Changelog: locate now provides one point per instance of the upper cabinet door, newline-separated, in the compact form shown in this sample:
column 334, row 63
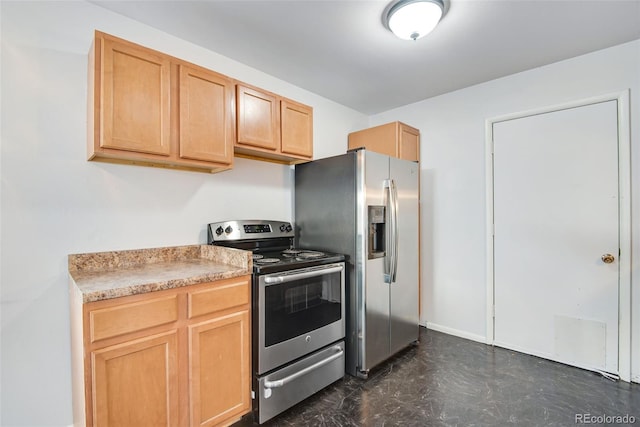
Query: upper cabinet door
column 257, row 118
column 206, row 117
column 409, row 143
column 297, row 128
column 135, row 99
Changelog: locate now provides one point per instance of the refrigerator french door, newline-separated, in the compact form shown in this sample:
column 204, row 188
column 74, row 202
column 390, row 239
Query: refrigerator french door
column 365, row 205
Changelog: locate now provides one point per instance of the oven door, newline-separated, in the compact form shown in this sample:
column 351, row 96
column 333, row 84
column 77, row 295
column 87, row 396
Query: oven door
column 300, row 311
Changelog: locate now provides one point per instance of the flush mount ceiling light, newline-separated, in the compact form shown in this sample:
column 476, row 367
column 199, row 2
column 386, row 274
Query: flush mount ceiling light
column 413, row 19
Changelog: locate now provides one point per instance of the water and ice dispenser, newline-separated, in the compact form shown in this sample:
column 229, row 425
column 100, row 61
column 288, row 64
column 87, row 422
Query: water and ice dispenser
column 377, row 233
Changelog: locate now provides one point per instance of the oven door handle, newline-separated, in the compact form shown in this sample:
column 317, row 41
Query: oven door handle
column 288, row 379
column 272, row 280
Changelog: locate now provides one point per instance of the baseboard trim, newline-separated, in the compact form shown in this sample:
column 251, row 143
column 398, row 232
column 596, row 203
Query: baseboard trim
column 456, row 332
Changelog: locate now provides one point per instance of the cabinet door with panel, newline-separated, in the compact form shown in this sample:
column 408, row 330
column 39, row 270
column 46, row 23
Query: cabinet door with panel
column 219, row 364
column 134, row 102
column 297, row 128
column 257, row 118
column 136, row 382
column 408, row 143
column 206, row 116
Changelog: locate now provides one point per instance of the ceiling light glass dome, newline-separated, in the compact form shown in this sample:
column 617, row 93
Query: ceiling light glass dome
column 413, row 19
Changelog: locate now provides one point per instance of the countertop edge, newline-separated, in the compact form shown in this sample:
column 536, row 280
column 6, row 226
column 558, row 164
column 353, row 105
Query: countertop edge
column 106, row 275
column 144, row 288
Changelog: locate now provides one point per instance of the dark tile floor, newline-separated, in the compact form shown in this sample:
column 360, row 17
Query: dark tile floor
column 450, row 381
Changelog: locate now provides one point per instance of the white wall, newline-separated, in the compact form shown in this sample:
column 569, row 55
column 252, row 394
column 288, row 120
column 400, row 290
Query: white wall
column 54, row 202
column 453, row 177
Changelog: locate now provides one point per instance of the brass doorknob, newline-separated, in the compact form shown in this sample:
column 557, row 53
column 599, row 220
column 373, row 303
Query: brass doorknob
column 608, row 258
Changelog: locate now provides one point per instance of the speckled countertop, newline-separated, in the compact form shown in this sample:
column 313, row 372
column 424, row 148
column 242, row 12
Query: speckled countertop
column 104, row 275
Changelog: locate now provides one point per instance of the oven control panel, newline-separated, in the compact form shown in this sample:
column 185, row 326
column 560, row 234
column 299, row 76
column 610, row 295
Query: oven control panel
column 248, row 229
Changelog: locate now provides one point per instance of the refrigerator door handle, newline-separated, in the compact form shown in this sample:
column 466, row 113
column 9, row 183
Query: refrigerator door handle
column 388, row 256
column 394, row 226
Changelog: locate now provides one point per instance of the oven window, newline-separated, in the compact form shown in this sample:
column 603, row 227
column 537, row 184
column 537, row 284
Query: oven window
column 295, row 308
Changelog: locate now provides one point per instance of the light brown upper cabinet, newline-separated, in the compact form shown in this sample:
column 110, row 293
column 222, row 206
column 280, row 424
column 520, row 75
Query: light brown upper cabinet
column 394, row 139
column 150, row 108
column 296, row 127
column 206, row 116
column 272, row 127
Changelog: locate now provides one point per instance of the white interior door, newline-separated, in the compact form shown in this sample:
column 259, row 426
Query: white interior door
column 556, row 214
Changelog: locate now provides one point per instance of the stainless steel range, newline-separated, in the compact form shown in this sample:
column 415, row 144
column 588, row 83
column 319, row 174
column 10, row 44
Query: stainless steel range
column 298, row 313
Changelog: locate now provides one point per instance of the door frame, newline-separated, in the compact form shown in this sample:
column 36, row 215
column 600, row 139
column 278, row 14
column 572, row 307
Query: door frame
column 624, row 218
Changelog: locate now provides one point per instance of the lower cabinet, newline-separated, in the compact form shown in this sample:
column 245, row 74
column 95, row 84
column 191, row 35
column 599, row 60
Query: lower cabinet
column 219, row 350
column 136, row 383
column 179, row 357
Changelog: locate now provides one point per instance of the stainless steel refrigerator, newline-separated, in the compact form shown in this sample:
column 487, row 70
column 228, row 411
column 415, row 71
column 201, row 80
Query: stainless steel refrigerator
column 365, row 205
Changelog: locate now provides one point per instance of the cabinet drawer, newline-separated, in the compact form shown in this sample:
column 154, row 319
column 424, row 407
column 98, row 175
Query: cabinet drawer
column 230, row 293
column 122, row 319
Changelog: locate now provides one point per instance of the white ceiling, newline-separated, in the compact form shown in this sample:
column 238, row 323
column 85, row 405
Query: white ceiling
column 340, row 49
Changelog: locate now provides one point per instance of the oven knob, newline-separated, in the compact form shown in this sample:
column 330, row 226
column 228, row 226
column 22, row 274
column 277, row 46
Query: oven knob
column 307, row 338
column 219, row 231
column 288, row 228
column 228, row 230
